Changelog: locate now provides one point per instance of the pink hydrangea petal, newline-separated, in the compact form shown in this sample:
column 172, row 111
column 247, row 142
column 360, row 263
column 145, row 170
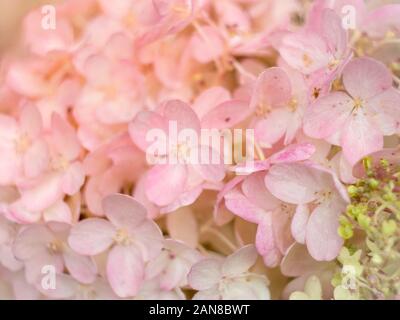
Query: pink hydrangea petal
column 125, row 270
column 322, row 238
column 36, row 159
column 293, row 183
column 254, row 189
column 209, row 99
column 123, row 211
column 226, row 115
column 205, row 274
column 327, row 115
column 210, row 164
column 80, row 267
column 364, row 78
column 269, row 130
column 299, row 223
column 298, row 261
column 236, row 202
column 64, row 138
column 306, row 52
column 360, row 138
column 73, row 178
column 164, row 183
column 265, row 242
column 142, row 123
column 149, row 239
column 386, row 106
column 32, row 241
column 31, row 121
column 272, row 88
column 240, row 261
column 91, row 236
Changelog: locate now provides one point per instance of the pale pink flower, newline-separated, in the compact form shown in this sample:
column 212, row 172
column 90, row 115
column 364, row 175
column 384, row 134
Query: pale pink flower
column 64, row 174
column 173, row 185
column 132, row 238
column 172, row 265
column 279, row 99
column 230, row 278
column 319, row 50
column 360, row 118
column 320, row 199
column 22, row 145
column 41, row 245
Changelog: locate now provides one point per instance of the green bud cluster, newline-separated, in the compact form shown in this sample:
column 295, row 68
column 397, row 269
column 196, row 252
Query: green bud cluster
column 371, row 230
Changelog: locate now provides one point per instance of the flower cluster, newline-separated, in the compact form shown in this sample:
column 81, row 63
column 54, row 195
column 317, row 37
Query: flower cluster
column 110, row 187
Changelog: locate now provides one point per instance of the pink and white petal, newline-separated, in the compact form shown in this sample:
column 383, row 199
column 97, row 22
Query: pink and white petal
column 165, row 183
column 59, row 212
column 294, row 183
column 31, row 121
column 123, row 211
column 360, row 138
column 236, row 202
column 209, row 163
column 172, row 276
column 73, row 178
column 8, row 259
column 327, row 115
column 265, row 242
column 82, row 268
column 91, row 236
column 32, row 241
column 21, row 214
column 269, row 130
column 36, row 159
column 294, row 153
column 209, row 99
column 64, row 138
column 66, row 287
column 182, row 114
column 226, row 115
column 44, row 194
column 149, row 239
column 208, row 294
column 253, row 187
column 298, row 261
column 240, row 261
column 322, row 238
column 185, row 199
column 387, row 109
column 281, row 227
column 333, row 32
column 205, row 274
column 365, row 78
column 306, row 52
column 143, row 124
column 272, row 89
column 299, row 223
column 34, row 266
column 125, row 270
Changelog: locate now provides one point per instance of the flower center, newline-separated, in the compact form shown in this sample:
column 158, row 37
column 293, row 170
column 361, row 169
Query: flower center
column 307, row 60
column 263, row 110
column 22, row 143
column 55, row 247
column 357, row 103
column 123, row 238
column 293, row 103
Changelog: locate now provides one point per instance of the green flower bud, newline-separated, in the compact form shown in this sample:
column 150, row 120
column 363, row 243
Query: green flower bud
column 389, row 227
column 346, row 231
column 377, row 259
column 353, row 191
column 363, row 221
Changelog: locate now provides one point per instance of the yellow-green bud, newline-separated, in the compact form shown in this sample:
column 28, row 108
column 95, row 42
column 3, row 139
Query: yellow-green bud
column 346, row 231
column 389, row 227
column 352, row 190
column 377, row 259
